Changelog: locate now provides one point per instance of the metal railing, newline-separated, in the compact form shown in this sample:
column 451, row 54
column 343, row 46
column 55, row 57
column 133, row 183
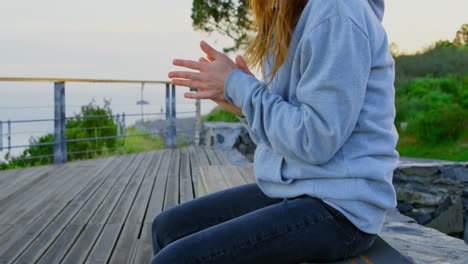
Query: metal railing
column 60, row 141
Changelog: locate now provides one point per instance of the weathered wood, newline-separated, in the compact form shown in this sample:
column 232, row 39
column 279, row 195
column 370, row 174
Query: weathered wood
column 23, row 181
column 212, row 156
column 172, row 189
column 128, row 239
column 144, row 249
column 61, row 246
column 103, row 249
column 41, row 243
column 80, row 250
column 20, row 236
column 194, row 165
column 42, row 190
column 222, row 157
column 212, row 179
column 232, row 176
column 186, row 187
column 158, row 193
column 248, row 173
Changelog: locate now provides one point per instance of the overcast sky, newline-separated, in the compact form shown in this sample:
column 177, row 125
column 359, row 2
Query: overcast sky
column 138, row 39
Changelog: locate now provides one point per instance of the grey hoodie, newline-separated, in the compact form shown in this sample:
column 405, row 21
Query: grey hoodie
column 324, row 126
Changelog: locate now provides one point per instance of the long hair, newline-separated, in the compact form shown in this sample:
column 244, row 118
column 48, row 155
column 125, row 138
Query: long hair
column 275, row 21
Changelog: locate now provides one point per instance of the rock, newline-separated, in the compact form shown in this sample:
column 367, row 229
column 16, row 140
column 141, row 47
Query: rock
column 422, row 170
column 466, row 230
column 465, row 203
column 444, row 206
column 404, row 207
column 421, row 218
column 222, row 135
column 416, row 197
column 450, row 221
column 458, row 172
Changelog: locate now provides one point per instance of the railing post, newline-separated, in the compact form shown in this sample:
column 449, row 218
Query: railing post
column 9, row 135
column 118, row 125
column 124, row 127
column 60, row 131
column 1, row 136
column 173, row 117
column 197, row 118
column 168, row 136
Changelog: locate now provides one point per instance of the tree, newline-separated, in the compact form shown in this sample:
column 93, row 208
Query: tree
column 461, row 39
column 231, row 18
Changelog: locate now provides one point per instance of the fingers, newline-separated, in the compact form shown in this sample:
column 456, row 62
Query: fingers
column 199, row 95
column 194, row 65
column 186, row 83
column 242, row 65
column 184, row 75
column 210, row 51
column 203, row 60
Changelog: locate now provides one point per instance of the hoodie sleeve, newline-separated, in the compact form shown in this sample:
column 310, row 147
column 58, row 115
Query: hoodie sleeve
column 335, row 61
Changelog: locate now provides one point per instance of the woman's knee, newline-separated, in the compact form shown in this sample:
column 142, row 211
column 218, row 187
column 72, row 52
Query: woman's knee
column 162, row 228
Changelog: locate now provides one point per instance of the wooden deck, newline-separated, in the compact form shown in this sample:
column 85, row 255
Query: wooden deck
column 95, row 211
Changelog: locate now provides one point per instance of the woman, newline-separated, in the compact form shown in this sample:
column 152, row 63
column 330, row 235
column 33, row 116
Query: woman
column 323, row 121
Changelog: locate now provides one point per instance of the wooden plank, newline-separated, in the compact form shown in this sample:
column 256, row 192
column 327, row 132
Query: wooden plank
column 202, row 156
column 128, row 239
column 24, row 181
column 186, row 187
column 211, row 156
column 248, row 173
column 103, row 249
column 36, row 249
column 194, row 164
column 221, row 155
column 144, row 249
column 212, row 179
column 171, row 198
column 144, row 246
column 61, row 196
column 8, row 176
column 159, row 190
column 66, row 239
column 41, row 191
column 232, row 176
column 93, row 228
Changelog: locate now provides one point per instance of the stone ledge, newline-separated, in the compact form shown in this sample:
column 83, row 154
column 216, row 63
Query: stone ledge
column 422, row 244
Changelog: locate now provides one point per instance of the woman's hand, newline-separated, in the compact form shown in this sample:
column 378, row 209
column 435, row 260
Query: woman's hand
column 211, row 75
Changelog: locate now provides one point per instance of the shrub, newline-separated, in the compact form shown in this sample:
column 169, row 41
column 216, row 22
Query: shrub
column 440, row 125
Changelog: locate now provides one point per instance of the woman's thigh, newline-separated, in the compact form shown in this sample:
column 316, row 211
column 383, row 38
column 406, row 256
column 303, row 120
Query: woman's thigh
column 206, row 211
column 291, row 231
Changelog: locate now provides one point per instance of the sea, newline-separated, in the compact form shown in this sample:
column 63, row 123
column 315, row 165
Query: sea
column 35, row 101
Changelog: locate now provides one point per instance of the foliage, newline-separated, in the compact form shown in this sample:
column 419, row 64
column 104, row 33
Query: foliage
column 435, row 108
column 220, row 115
column 135, row 143
column 440, row 60
column 231, row 18
column 93, row 121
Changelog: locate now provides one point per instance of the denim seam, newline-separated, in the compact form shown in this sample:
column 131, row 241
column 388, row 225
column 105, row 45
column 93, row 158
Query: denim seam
column 262, row 240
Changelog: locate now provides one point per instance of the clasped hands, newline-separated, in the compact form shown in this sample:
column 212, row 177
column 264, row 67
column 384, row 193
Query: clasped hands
column 210, row 76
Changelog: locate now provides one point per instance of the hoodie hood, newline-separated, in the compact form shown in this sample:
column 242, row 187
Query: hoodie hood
column 378, row 6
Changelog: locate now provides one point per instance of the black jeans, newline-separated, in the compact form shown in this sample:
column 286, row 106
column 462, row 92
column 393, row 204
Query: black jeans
column 243, row 225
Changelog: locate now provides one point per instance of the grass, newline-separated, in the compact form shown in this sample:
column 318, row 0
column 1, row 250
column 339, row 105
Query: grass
column 409, row 146
column 139, row 143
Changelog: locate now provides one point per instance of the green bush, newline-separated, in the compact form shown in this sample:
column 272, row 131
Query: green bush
column 220, row 115
column 98, row 123
column 439, row 125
